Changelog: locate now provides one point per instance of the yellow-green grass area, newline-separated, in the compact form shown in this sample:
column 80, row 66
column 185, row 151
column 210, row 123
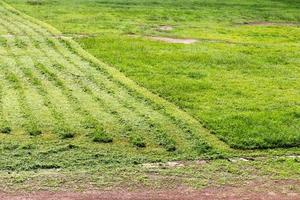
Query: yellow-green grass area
column 240, row 79
column 62, row 108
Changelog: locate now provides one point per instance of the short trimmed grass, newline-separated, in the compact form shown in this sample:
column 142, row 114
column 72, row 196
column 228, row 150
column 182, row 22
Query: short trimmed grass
column 62, row 108
column 240, row 80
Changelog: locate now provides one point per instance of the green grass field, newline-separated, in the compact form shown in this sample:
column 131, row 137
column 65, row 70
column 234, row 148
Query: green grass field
column 240, row 80
column 87, row 88
column 60, row 108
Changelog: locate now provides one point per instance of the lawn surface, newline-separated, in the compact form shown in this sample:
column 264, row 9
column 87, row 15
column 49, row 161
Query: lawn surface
column 240, row 79
column 61, row 108
column 71, row 122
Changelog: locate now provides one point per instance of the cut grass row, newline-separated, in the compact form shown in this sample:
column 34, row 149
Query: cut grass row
column 163, row 138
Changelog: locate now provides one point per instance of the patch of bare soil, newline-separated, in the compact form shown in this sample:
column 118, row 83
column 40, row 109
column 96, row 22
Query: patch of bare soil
column 264, row 190
column 173, row 40
column 165, row 28
column 271, row 24
column 8, row 36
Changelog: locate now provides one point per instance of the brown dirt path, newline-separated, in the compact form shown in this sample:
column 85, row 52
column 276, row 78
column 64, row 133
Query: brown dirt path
column 271, row 190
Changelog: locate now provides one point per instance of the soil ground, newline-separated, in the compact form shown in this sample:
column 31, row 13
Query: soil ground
column 273, row 189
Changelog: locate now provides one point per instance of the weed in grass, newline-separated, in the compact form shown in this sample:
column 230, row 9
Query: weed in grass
column 34, row 132
column 88, row 125
column 10, row 146
column 27, row 146
column 57, row 66
column 66, row 134
column 101, row 137
column 137, row 141
column 14, row 80
column 165, row 141
column 44, row 166
column 72, row 146
column 168, row 144
column 35, row 2
column 36, row 43
column 3, row 42
column 6, row 130
column 50, row 43
column 20, row 43
column 202, row 147
column 196, row 75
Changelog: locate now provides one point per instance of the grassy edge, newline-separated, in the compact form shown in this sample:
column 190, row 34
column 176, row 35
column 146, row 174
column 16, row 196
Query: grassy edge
column 188, row 174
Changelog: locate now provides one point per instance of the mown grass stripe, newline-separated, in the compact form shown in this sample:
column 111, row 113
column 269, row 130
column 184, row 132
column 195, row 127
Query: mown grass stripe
column 5, row 127
column 63, row 129
column 3, row 122
column 52, row 77
column 11, row 106
column 25, row 72
column 138, row 118
column 169, row 139
column 31, row 125
column 94, row 124
column 39, row 108
column 97, row 98
column 162, row 135
column 27, row 42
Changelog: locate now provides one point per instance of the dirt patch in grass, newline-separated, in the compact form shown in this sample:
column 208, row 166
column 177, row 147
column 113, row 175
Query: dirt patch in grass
column 174, row 40
column 267, row 190
column 8, row 36
column 165, row 28
column 171, row 164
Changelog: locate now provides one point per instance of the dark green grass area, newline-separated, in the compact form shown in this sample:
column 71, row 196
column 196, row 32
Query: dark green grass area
column 240, row 92
column 241, row 79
